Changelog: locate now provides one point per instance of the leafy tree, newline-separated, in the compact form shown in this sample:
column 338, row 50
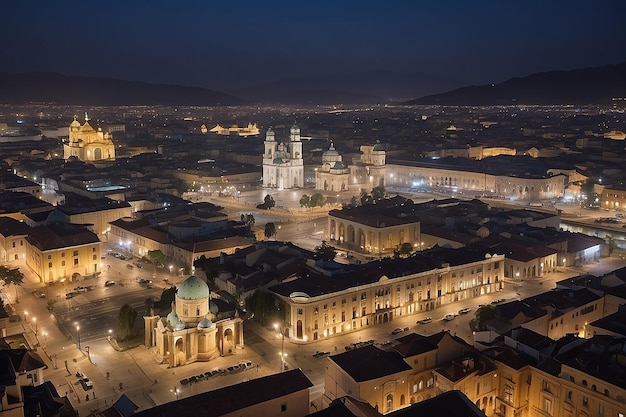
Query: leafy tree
column 126, row 322
column 353, row 201
column 12, row 276
column 612, row 245
column 325, row 251
column 250, row 220
column 263, row 305
column 157, row 258
column 268, row 203
column 304, row 200
column 317, row 200
column 587, row 190
column 149, row 306
column 378, row 193
column 168, row 295
column 180, row 186
column 405, row 249
column 270, row 230
column 364, row 197
column 483, row 314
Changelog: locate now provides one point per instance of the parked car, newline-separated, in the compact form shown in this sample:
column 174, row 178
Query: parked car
column 320, row 353
column 465, row 310
column 396, row 331
column 449, row 316
column 425, row 321
column 109, row 283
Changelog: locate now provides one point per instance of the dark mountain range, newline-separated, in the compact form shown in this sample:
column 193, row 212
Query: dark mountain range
column 598, row 85
column 63, row 89
column 355, row 88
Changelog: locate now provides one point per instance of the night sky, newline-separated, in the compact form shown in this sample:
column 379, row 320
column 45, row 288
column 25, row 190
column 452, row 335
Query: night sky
column 229, row 44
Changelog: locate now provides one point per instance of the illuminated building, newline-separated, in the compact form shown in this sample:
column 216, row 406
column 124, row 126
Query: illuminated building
column 333, row 175
column 195, row 329
column 283, row 165
column 88, row 144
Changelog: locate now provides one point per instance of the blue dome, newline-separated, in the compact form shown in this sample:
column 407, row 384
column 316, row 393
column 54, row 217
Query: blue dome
column 205, row 323
column 193, row 288
column 172, row 318
column 278, row 160
column 179, row 326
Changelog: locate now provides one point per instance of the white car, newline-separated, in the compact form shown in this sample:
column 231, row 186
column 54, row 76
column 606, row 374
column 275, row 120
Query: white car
column 425, row 321
column 449, row 317
column 465, row 310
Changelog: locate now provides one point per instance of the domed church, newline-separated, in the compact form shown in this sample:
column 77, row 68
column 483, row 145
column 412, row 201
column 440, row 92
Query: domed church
column 194, row 330
column 88, row 144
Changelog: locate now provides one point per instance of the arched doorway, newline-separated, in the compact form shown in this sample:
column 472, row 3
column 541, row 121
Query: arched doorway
column 229, row 342
column 299, row 329
column 385, row 318
column 76, row 276
column 97, row 154
column 179, row 352
column 389, row 403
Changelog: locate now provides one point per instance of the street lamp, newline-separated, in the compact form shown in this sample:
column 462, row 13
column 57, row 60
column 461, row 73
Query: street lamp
column 175, row 391
column 35, row 324
column 109, row 336
column 78, row 336
column 171, row 266
column 282, row 347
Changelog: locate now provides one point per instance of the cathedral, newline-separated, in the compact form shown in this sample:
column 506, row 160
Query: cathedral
column 283, row 165
column 195, row 329
column 333, row 175
column 88, row 144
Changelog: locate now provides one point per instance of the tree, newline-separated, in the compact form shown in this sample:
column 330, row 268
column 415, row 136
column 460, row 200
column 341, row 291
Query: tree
column 180, row 186
column 365, row 198
column 353, row 201
column 149, row 306
column 589, row 196
column 304, row 200
column 126, row 322
column 405, row 249
column 263, row 305
column 270, row 230
column 325, row 251
column 378, row 193
column 268, row 203
column 612, row 245
column 317, row 200
column 12, row 276
column 156, row 257
column 168, row 295
column 483, row 314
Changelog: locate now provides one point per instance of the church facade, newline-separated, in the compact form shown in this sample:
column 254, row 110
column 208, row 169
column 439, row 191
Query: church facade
column 195, row 329
column 333, row 175
column 88, row 144
column 283, row 164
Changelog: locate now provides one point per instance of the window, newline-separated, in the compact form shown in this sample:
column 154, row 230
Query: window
column 75, row 253
column 62, row 263
column 414, row 388
column 49, row 256
column 547, row 405
column 569, row 395
column 76, row 262
column 62, row 254
column 49, row 264
column 431, row 382
column 334, row 304
column 343, row 301
column 95, row 257
column 420, row 385
column 283, row 407
column 325, row 306
column 299, row 311
column 14, row 244
column 585, row 401
column 93, row 249
column 601, row 410
column 363, row 295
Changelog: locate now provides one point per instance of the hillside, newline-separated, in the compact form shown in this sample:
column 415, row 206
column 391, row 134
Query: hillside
column 63, row 89
column 596, row 85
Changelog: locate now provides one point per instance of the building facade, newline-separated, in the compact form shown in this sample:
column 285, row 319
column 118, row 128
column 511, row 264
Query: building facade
column 283, row 164
column 333, row 175
column 88, row 144
column 194, row 330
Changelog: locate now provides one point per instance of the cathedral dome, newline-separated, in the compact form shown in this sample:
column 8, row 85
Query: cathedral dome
column 331, row 151
column 205, row 323
column 193, row 288
column 278, row 160
column 172, row 318
column 179, row 326
column 75, row 123
column 378, row 147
